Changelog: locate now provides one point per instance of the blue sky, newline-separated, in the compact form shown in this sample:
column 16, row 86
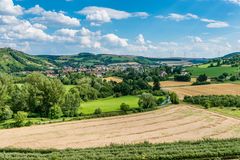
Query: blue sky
column 154, row 28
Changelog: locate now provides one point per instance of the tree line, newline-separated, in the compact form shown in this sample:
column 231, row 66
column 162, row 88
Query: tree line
column 214, row 100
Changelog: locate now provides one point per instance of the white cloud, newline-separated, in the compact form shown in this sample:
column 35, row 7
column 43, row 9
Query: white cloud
column 7, row 7
column 40, row 26
column 178, row 17
column 237, row 2
column 189, row 16
column 67, row 32
column 114, row 40
column 195, row 39
column 100, row 15
column 214, row 23
column 140, row 39
column 35, row 10
column 21, row 29
column 52, row 17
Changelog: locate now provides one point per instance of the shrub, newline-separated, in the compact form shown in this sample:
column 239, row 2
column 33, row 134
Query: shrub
column 160, row 100
column 202, row 78
column 55, row 112
column 124, row 107
column 174, row 98
column 98, row 111
column 5, row 113
column 183, row 78
column 20, row 118
column 147, row 100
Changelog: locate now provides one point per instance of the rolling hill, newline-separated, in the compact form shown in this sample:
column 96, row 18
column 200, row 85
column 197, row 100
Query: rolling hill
column 232, row 55
column 13, row 60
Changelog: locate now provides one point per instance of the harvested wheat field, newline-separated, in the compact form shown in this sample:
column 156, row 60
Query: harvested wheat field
column 174, row 83
column 114, row 79
column 169, row 124
column 213, row 89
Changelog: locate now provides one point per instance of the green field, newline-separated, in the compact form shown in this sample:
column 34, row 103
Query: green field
column 197, row 150
column 212, row 71
column 232, row 112
column 108, row 104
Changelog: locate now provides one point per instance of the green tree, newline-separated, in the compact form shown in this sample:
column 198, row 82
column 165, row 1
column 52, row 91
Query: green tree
column 98, row 111
column 19, row 98
column 20, row 117
column 5, row 113
column 71, row 103
column 202, row 78
column 55, row 112
column 174, row 98
column 156, row 85
column 124, row 107
column 147, row 100
column 45, row 93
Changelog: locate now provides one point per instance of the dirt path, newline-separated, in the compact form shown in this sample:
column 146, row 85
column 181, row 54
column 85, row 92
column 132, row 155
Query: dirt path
column 169, row 124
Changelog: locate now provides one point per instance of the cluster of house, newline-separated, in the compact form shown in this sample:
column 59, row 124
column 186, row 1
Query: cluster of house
column 97, row 70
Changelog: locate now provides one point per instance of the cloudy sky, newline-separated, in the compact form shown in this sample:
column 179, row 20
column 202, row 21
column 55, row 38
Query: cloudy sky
column 154, row 28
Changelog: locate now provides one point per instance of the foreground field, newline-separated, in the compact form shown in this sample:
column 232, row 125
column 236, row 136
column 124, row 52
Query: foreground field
column 109, row 104
column 169, row 124
column 213, row 89
column 207, row 149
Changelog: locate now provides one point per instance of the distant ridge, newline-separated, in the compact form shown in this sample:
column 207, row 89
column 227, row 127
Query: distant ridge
column 14, row 61
column 232, row 55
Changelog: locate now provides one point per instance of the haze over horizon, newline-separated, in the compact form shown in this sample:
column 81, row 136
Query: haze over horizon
column 169, row 28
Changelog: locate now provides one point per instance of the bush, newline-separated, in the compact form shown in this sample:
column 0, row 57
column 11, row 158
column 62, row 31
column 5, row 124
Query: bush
column 55, row 112
column 98, row 111
column 174, row 98
column 160, row 101
column 147, row 100
column 20, row 117
column 124, row 107
column 233, row 78
column 183, row 78
column 200, row 83
column 159, row 93
column 5, row 113
column 202, row 78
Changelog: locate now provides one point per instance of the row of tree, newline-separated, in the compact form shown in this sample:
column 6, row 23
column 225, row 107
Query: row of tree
column 214, row 100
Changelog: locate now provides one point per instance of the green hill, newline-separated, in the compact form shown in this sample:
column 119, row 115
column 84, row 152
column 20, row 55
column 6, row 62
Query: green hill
column 13, row 60
column 232, row 55
column 96, row 59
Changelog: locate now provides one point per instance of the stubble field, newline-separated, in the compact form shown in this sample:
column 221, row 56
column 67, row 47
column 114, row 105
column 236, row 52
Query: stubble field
column 213, row 89
column 173, row 123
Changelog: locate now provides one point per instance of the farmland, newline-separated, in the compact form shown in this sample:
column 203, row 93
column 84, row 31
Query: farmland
column 212, row 71
column 114, row 79
column 174, row 83
column 207, row 149
column 213, row 89
column 108, row 104
column 168, row 124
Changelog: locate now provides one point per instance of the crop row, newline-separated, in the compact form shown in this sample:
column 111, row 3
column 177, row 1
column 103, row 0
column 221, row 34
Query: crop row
column 207, row 149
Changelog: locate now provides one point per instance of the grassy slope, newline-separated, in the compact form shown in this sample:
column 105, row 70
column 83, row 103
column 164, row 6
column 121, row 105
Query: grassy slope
column 232, row 112
column 206, row 149
column 108, row 104
column 213, row 71
column 12, row 60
